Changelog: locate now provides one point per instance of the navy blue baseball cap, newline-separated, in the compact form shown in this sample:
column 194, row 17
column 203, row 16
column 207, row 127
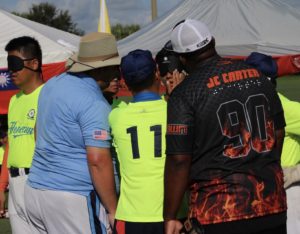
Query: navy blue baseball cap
column 137, row 66
column 265, row 63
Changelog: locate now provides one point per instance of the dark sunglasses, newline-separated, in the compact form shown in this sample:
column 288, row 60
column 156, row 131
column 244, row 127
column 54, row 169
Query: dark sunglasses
column 15, row 63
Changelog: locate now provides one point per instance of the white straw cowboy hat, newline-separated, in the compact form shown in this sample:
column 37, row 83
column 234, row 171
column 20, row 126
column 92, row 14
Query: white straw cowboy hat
column 96, row 50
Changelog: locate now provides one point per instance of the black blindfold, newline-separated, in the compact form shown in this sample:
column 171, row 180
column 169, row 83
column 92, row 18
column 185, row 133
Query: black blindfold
column 15, row 63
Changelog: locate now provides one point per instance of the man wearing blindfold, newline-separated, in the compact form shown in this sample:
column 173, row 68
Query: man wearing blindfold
column 24, row 64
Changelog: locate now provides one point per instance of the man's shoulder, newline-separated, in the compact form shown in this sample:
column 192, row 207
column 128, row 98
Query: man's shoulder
column 16, row 97
column 59, row 80
column 283, row 98
column 147, row 105
column 121, row 110
column 132, row 111
column 69, row 87
column 118, row 103
column 189, row 90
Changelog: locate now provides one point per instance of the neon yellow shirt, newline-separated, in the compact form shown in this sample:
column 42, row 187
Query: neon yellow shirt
column 22, row 114
column 291, row 147
column 1, row 154
column 138, row 130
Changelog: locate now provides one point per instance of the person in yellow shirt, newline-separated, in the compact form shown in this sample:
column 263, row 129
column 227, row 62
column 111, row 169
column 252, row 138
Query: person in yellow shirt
column 3, row 141
column 290, row 161
column 138, row 131
column 110, row 94
column 290, row 156
column 4, row 175
column 25, row 64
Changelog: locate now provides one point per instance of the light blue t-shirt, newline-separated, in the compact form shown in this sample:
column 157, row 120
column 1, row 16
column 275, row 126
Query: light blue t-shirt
column 72, row 114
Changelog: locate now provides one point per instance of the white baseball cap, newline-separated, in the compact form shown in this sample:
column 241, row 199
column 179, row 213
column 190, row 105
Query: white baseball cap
column 189, row 36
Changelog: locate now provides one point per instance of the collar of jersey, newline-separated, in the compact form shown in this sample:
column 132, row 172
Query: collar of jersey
column 210, row 60
column 145, row 96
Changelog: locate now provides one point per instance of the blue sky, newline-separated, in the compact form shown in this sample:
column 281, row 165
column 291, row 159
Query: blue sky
column 86, row 12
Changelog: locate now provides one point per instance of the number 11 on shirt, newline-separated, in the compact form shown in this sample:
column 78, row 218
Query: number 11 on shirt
column 133, row 131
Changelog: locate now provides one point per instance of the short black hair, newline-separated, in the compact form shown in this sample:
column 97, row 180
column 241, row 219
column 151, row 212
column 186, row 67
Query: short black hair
column 145, row 84
column 28, row 46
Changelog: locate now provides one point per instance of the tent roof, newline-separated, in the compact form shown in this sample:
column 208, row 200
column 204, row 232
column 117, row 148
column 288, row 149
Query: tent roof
column 239, row 26
column 57, row 45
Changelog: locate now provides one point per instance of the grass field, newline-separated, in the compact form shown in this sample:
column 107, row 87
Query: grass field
column 288, row 86
column 4, row 226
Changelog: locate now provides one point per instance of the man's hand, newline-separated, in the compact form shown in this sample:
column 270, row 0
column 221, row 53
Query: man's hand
column 291, row 175
column 173, row 227
column 296, row 61
column 176, row 79
column 111, row 219
column 2, row 203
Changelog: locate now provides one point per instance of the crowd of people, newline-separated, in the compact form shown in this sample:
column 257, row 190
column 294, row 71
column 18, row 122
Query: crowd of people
column 206, row 157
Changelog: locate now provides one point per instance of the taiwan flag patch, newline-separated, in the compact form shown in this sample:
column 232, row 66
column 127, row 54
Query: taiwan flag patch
column 100, row 135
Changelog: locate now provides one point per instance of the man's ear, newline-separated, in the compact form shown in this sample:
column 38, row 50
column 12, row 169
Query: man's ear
column 182, row 60
column 157, row 74
column 35, row 64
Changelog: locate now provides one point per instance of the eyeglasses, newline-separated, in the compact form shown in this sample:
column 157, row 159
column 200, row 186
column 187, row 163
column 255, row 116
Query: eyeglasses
column 15, row 63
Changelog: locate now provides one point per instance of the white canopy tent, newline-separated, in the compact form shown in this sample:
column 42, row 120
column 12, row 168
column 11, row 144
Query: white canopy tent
column 239, row 26
column 57, row 45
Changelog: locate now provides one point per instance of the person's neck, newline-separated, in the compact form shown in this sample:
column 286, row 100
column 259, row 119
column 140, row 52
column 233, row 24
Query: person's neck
column 31, row 86
column 203, row 58
column 151, row 89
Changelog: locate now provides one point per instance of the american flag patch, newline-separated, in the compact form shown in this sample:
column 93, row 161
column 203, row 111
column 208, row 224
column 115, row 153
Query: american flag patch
column 100, row 135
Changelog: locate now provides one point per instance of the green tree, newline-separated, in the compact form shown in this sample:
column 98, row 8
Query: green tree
column 48, row 14
column 120, row 31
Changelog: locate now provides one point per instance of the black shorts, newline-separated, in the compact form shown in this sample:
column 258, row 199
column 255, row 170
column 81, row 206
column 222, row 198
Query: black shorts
column 124, row 227
column 271, row 224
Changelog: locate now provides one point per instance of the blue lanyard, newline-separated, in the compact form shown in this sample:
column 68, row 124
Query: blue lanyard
column 145, row 96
